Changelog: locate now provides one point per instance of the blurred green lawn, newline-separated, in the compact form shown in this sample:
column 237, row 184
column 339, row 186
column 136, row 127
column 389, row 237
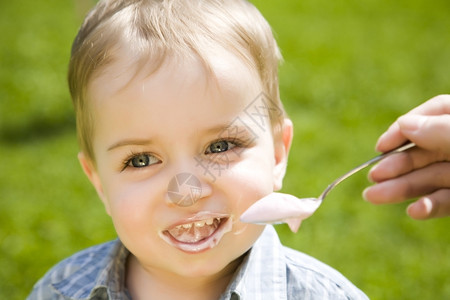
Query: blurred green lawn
column 351, row 68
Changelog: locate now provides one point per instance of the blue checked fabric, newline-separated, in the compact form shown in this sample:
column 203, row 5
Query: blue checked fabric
column 269, row 271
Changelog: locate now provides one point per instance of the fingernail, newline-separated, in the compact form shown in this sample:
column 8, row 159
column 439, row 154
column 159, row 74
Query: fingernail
column 364, row 194
column 411, row 123
column 428, row 205
column 370, row 174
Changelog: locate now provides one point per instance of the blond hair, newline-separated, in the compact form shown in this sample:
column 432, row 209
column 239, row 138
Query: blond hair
column 153, row 29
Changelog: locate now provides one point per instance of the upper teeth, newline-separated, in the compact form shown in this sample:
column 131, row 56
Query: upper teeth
column 200, row 223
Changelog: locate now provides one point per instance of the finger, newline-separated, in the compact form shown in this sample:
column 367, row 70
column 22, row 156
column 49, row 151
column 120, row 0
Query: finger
column 435, row 106
column 415, row 184
column 393, row 137
column 436, row 205
column 402, row 163
column 428, row 132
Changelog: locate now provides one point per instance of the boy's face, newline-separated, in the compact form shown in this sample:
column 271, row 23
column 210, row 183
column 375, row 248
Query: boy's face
column 179, row 156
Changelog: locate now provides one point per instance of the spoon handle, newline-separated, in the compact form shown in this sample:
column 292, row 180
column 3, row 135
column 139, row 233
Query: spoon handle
column 364, row 165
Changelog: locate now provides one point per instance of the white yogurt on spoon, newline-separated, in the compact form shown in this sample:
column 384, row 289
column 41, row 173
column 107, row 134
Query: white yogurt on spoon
column 278, row 208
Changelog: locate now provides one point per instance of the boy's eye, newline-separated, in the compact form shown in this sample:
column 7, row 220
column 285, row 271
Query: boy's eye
column 142, row 160
column 220, row 146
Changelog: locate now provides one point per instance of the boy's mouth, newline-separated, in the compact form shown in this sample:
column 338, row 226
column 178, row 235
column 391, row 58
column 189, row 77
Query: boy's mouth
column 198, row 234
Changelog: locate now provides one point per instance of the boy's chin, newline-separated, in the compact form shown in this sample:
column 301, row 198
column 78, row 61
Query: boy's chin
column 210, row 269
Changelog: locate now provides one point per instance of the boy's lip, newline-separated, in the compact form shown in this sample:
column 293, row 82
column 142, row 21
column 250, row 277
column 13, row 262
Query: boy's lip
column 218, row 225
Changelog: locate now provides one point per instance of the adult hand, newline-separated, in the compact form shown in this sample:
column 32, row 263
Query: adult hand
column 423, row 171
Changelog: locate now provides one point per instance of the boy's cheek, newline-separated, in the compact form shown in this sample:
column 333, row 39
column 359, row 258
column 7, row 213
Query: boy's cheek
column 248, row 183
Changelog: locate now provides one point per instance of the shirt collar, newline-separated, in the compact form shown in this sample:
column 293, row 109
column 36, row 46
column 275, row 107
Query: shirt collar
column 263, row 271
column 105, row 277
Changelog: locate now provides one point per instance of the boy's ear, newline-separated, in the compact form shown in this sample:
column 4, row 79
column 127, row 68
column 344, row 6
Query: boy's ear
column 282, row 146
column 92, row 174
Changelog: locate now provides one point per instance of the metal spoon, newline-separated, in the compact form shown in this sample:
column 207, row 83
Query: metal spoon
column 362, row 166
column 284, row 208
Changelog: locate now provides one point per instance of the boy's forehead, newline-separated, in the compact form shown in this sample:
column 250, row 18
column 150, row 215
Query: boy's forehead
column 220, row 68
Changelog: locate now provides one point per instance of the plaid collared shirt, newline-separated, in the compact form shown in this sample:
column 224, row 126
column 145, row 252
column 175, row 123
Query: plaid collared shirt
column 269, row 271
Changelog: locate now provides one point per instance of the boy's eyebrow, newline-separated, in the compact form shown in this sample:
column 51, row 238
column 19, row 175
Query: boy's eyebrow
column 135, row 142
column 219, row 130
column 233, row 128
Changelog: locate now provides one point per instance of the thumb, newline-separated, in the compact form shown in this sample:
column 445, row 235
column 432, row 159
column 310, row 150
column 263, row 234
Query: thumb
column 428, row 132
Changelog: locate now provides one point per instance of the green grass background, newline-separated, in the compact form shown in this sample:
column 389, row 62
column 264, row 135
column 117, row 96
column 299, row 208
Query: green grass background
column 351, row 68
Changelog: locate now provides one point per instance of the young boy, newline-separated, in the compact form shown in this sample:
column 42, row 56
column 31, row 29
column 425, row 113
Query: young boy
column 181, row 129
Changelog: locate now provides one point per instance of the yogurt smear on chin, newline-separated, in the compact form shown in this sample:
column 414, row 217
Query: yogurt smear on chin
column 197, row 236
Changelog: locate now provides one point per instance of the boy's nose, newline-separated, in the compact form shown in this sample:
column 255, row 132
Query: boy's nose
column 185, row 189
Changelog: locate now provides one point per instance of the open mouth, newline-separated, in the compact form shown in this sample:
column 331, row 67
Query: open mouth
column 197, row 235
